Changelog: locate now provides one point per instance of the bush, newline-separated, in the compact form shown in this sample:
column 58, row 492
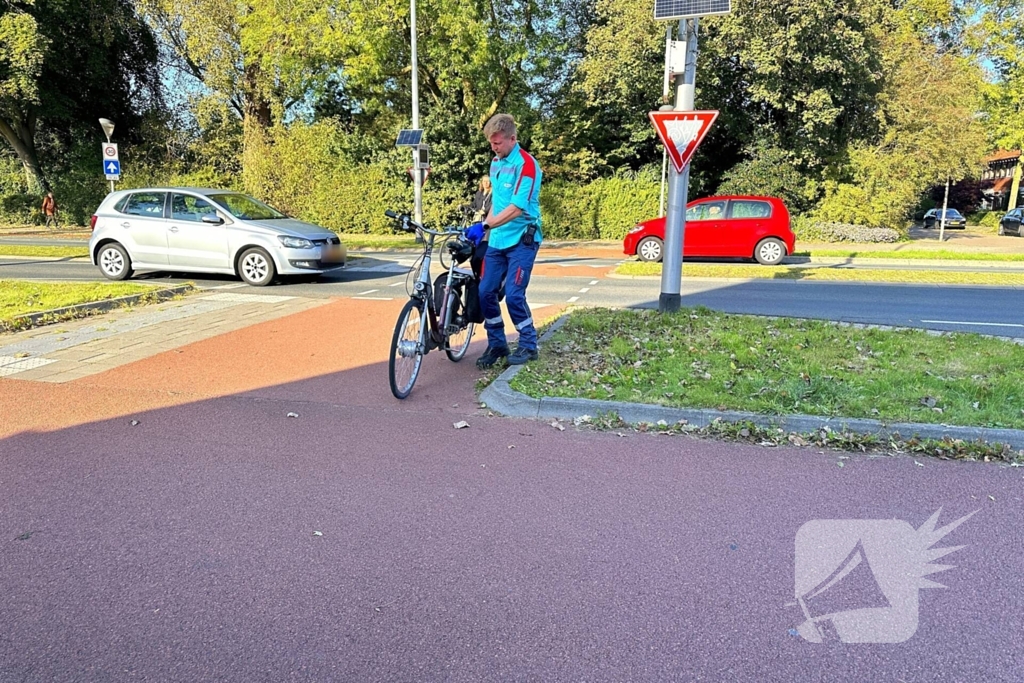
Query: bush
column 985, row 219
column 772, row 172
column 606, row 208
column 818, row 231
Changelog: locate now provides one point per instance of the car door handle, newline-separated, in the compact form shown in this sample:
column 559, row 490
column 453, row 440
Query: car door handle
column 173, row 228
column 126, row 225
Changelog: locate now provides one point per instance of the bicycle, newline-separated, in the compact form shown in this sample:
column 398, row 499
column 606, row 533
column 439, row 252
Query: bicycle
column 435, row 316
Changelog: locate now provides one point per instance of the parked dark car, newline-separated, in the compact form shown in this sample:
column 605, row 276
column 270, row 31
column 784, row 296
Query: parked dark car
column 954, row 219
column 1010, row 223
column 731, row 227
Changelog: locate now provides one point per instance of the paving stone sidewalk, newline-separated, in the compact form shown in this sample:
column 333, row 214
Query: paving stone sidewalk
column 69, row 350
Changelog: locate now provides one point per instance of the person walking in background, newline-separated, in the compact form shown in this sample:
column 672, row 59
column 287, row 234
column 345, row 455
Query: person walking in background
column 513, row 226
column 481, row 204
column 50, row 210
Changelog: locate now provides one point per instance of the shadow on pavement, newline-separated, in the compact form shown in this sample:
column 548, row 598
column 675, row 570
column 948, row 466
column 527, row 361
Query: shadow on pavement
column 367, row 539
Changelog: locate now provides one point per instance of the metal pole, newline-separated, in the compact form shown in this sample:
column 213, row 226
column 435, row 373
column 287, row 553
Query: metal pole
column 664, row 99
column 942, row 223
column 679, row 186
column 111, row 182
column 417, row 185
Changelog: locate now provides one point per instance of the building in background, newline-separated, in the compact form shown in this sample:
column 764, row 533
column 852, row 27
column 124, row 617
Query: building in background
column 1000, row 180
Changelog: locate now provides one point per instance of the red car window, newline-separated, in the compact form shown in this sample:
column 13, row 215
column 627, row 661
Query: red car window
column 744, row 208
column 706, row 211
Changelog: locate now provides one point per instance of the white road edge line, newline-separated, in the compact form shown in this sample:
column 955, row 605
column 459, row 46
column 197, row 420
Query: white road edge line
column 964, row 322
column 374, row 298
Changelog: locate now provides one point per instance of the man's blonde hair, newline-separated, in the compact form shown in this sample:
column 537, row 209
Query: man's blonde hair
column 500, row 123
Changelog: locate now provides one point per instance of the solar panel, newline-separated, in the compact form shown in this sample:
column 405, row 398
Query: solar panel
column 680, row 9
column 409, row 137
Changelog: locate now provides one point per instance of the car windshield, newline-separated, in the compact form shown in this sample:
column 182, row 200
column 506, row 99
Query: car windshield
column 951, row 213
column 245, row 207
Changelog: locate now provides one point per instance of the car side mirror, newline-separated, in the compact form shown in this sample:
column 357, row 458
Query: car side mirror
column 213, row 219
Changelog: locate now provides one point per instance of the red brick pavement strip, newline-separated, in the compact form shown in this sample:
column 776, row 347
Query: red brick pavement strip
column 182, row 548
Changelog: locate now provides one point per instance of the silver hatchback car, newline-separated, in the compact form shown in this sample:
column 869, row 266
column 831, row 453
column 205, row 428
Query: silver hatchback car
column 206, row 231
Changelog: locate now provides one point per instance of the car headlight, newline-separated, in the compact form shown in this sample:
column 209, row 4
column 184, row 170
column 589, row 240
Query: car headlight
column 295, row 242
column 636, row 228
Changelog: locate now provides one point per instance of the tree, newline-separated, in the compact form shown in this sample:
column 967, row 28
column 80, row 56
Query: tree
column 998, row 40
column 65, row 62
column 929, row 131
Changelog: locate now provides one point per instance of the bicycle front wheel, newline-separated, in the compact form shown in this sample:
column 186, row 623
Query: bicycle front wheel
column 407, row 348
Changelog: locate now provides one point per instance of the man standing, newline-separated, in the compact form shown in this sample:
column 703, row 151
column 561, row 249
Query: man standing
column 513, row 227
column 50, row 210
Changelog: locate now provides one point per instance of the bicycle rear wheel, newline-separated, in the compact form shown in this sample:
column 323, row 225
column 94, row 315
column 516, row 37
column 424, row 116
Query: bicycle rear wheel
column 407, row 348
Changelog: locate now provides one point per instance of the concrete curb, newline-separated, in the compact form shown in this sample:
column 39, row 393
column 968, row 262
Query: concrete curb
column 500, row 397
column 102, row 306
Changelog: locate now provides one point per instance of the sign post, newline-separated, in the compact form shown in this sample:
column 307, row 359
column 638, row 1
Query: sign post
column 111, row 163
column 688, row 13
column 112, row 172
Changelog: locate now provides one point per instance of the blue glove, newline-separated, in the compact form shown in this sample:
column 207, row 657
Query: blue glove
column 475, row 233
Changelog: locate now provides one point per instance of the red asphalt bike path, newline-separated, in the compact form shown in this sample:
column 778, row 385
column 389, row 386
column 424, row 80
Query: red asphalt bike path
column 185, row 547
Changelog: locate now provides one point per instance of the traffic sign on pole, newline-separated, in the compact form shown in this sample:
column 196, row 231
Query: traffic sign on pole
column 423, row 174
column 682, row 132
column 111, row 162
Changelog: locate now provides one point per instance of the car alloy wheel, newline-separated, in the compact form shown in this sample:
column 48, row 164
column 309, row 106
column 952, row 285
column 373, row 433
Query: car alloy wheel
column 256, row 268
column 114, row 262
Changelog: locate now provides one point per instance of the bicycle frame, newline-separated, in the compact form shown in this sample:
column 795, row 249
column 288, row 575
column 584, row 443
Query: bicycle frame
column 438, row 322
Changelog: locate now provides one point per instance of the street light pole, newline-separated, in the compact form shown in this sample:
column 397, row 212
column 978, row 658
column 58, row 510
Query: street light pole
column 416, row 171
column 108, row 129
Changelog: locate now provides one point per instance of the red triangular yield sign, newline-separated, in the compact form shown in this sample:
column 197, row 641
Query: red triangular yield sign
column 682, row 132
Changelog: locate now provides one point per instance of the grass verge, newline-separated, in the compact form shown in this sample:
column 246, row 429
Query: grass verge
column 56, row 251
column 19, row 298
column 699, row 358
column 911, row 255
column 825, row 274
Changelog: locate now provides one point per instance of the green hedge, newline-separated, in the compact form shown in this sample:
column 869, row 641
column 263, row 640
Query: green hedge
column 986, row 219
column 606, row 208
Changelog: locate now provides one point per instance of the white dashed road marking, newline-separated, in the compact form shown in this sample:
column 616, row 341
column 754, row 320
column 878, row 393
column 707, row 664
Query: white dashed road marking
column 573, row 299
column 584, row 290
column 369, row 291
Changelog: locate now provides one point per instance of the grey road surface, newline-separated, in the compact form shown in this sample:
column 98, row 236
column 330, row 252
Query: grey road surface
column 984, row 309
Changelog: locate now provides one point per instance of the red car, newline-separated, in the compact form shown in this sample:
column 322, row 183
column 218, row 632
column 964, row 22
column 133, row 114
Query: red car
column 722, row 227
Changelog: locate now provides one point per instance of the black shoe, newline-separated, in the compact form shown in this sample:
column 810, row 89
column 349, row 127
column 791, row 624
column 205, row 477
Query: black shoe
column 521, row 356
column 491, row 356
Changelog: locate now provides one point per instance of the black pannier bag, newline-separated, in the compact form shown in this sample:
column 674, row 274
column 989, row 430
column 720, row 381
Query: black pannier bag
column 467, row 297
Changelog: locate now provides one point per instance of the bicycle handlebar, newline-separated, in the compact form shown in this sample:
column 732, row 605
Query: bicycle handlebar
column 409, row 225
